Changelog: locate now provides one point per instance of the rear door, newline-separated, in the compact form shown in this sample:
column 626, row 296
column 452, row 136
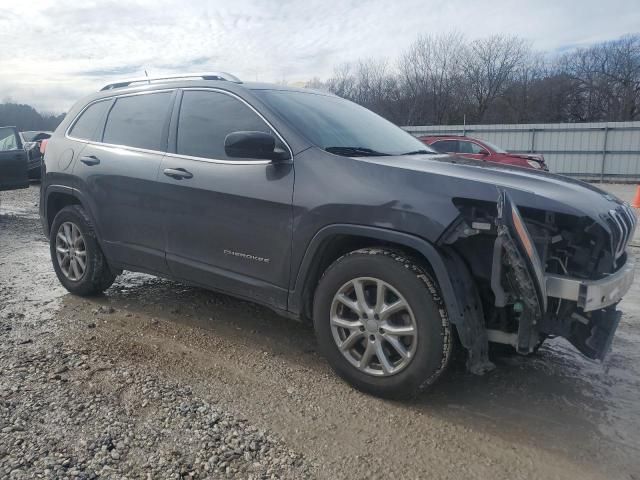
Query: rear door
column 13, row 160
column 119, row 173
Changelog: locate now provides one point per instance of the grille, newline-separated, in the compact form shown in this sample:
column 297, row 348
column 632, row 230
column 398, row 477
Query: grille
column 623, row 224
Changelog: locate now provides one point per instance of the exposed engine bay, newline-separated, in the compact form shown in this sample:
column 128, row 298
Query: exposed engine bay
column 542, row 274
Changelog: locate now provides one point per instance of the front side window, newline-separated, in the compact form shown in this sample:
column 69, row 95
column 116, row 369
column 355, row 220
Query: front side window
column 446, row 146
column 207, row 117
column 338, row 125
column 86, row 127
column 470, row 147
column 139, row 121
column 8, row 140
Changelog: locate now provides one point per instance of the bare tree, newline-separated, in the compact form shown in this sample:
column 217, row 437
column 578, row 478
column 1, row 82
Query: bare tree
column 431, row 72
column 620, row 65
column 317, row 84
column 489, row 66
column 343, row 81
column 497, row 79
column 521, row 97
column 370, row 83
column 588, row 96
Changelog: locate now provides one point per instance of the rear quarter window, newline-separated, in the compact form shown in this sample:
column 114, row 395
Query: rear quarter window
column 86, row 126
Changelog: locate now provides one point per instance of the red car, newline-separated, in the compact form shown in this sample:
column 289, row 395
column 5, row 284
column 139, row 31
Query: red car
column 481, row 150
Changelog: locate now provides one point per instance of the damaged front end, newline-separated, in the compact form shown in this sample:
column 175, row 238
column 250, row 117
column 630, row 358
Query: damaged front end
column 541, row 274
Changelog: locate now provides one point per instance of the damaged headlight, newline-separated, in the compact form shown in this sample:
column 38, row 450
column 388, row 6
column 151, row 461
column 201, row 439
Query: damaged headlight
column 511, row 227
column 535, row 164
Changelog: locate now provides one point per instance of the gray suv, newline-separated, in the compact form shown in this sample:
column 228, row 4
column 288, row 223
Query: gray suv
column 327, row 213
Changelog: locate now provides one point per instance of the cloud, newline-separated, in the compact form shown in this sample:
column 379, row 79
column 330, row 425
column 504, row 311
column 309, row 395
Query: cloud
column 65, row 49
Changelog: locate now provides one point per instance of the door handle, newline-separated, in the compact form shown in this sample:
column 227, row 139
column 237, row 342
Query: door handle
column 177, row 173
column 90, row 160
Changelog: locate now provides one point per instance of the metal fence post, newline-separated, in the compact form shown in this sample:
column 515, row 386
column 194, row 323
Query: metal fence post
column 604, row 152
column 532, row 149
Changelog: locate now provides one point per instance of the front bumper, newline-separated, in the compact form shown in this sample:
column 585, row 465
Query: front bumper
column 592, row 294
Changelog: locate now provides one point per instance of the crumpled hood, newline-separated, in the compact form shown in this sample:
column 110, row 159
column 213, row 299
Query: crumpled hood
column 467, row 178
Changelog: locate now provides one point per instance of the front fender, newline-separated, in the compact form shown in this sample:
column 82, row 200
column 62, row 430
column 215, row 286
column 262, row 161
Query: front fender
column 460, row 297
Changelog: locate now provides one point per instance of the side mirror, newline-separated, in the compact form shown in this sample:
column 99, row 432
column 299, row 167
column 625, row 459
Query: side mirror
column 257, row 145
column 483, row 152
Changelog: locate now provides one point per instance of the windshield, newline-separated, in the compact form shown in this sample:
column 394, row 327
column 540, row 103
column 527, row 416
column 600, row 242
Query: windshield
column 494, row 147
column 339, row 126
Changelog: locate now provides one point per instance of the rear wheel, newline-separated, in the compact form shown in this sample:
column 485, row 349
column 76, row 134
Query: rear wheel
column 76, row 255
column 381, row 323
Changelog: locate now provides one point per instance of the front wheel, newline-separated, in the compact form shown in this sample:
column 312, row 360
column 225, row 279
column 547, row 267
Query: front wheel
column 381, row 323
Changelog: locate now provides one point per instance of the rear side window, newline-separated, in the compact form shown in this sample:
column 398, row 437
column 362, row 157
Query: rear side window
column 87, row 125
column 206, row 118
column 139, row 121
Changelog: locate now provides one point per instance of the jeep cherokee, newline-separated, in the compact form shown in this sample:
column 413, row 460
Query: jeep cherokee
column 327, row 213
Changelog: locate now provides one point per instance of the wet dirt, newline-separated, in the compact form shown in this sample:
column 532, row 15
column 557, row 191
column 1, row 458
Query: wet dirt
column 553, row 415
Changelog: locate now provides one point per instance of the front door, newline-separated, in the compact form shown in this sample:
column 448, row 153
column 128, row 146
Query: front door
column 13, row 160
column 228, row 220
column 472, row 150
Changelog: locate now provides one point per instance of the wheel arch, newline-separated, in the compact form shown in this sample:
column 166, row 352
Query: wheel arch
column 333, row 241
column 455, row 282
column 56, row 198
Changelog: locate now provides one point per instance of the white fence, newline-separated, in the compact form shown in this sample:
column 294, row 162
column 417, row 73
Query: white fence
column 592, row 151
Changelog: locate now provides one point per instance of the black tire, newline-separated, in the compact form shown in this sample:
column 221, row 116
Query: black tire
column 97, row 276
column 416, row 285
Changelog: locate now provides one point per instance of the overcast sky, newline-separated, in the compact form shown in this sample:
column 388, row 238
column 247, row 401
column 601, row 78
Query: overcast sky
column 54, row 52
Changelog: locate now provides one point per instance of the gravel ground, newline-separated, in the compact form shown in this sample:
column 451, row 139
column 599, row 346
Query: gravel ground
column 76, row 413
column 156, row 379
column 68, row 410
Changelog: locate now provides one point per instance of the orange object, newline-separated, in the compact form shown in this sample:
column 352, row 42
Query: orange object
column 636, row 199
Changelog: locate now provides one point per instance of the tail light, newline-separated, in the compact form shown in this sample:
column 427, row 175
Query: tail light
column 43, row 145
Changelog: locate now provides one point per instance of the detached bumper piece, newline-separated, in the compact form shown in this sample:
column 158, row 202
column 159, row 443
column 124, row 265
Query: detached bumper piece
column 592, row 294
column 592, row 335
column 592, row 328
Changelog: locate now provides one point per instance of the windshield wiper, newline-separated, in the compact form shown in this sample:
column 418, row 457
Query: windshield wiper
column 420, row 152
column 355, row 152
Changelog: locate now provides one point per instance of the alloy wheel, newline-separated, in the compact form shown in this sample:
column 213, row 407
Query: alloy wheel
column 71, row 251
column 373, row 326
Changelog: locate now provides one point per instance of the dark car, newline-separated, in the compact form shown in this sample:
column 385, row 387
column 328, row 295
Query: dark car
column 482, row 150
column 13, row 160
column 329, row 214
column 32, row 142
